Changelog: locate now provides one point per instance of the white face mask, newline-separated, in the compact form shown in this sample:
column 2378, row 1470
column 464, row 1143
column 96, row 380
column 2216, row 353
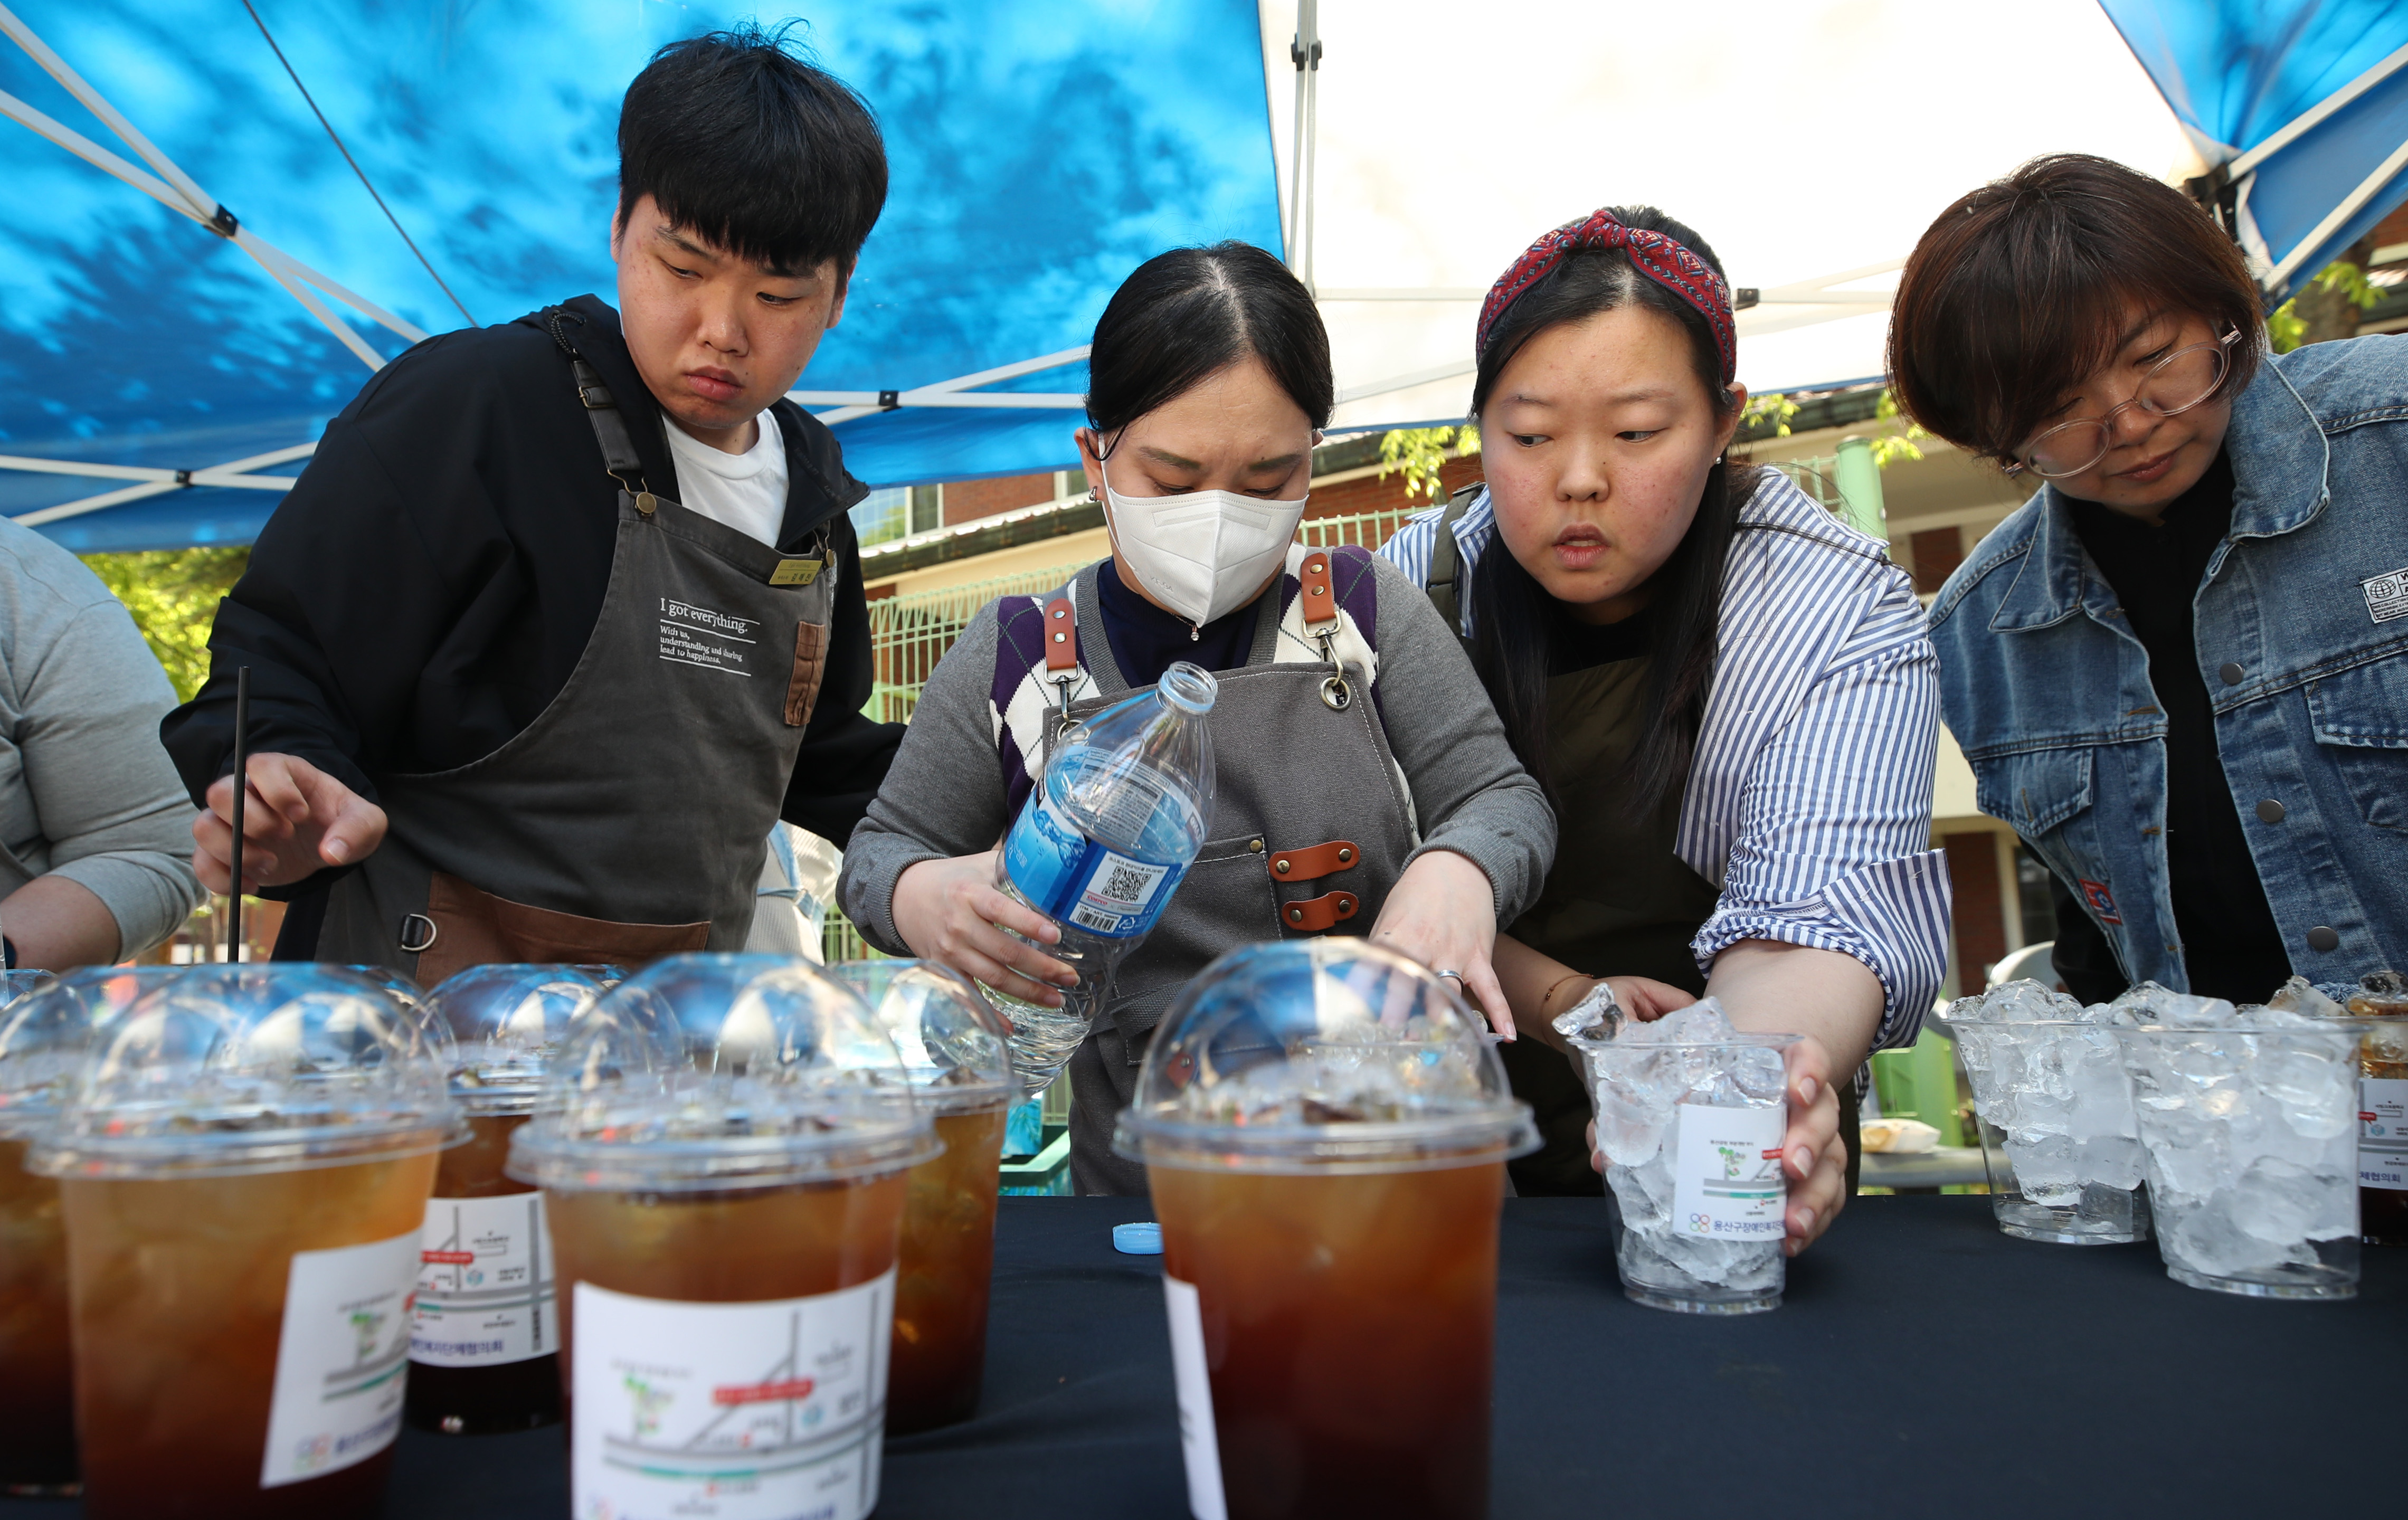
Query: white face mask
column 1203, row 553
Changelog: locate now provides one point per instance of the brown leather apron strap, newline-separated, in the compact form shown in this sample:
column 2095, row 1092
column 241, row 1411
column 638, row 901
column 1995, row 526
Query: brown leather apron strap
column 1061, row 635
column 1314, row 914
column 1319, row 601
column 1313, row 862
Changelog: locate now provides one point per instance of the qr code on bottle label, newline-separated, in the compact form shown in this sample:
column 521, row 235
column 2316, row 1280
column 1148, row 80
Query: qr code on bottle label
column 1118, row 895
column 2386, row 595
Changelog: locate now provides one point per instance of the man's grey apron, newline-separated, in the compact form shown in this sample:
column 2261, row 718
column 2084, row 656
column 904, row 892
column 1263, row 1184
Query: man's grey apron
column 1294, row 779
column 629, row 819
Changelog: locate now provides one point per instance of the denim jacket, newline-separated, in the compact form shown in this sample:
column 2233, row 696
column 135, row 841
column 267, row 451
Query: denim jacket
column 2301, row 631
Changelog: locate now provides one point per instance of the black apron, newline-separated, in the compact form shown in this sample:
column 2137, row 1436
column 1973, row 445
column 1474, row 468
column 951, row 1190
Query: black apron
column 1618, row 902
column 630, row 819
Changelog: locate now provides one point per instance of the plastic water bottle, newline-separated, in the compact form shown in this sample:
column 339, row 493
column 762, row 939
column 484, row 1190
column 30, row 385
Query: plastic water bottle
column 1101, row 844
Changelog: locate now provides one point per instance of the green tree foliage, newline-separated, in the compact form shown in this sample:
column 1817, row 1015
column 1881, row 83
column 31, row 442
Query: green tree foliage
column 172, row 595
column 1772, row 408
column 1421, row 452
column 2287, row 329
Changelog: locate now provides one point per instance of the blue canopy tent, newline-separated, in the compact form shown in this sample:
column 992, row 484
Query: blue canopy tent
column 2298, row 110
column 170, row 341
column 189, row 290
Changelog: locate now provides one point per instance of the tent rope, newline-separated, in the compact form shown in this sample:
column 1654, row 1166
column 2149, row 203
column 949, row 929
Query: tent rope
column 352, row 162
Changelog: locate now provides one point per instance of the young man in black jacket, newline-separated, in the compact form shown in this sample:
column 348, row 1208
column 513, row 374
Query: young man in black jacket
column 564, row 614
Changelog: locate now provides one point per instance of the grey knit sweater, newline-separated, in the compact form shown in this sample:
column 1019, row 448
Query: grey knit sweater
column 945, row 794
column 86, row 792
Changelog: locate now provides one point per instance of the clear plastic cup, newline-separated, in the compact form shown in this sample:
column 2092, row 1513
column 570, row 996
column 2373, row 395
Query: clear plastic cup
column 243, row 1160
column 956, row 1050
column 42, row 1039
column 1326, row 1134
column 723, row 1145
column 2251, row 1130
column 484, row 1355
column 1690, row 1118
column 2060, row 1141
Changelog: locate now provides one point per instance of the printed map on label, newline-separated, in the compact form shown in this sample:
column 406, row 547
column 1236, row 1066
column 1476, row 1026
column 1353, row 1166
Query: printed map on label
column 692, row 635
column 768, row 1411
column 1200, row 1441
column 339, row 1360
column 1727, row 1180
column 484, row 1283
column 2382, row 1132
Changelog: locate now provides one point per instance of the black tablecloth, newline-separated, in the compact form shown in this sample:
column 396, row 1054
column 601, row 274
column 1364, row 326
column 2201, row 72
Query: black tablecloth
column 1924, row 1364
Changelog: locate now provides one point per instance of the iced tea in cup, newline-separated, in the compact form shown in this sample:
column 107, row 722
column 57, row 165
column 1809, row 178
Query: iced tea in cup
column 955, row 1048
column 723, row 1147
column 244, row 1160
column 42, row 1037
column 484, row 1352
column 1326, row 1134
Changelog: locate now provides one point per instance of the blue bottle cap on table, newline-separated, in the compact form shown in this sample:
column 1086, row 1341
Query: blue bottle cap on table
column 1137, row 1239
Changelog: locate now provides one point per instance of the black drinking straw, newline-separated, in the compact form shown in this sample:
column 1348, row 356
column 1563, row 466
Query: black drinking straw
column 241, row 786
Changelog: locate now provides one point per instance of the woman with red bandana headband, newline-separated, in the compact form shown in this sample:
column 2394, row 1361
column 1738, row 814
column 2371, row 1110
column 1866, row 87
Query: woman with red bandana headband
column 1726, row 692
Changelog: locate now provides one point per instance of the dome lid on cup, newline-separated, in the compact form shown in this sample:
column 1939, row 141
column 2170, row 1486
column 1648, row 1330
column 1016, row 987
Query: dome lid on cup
column 1317, row 1057
column 955, row 1046
column 220, row 1070
column 42, row 1037
column 708, row 1072
column 502, row 1023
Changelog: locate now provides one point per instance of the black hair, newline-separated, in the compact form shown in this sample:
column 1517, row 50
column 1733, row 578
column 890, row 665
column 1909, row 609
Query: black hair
column 1192, row 312
column 1515, row 617
column 751, row 148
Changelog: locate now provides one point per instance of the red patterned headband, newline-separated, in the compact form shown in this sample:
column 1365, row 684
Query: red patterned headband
column 1659, row 257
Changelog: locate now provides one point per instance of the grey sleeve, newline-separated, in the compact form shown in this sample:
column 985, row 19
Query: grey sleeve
column 1470, row 795
column 111, row 811
column 943, row 796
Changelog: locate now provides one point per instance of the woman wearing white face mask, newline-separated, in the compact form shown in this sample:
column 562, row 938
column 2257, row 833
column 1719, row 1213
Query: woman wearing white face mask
column 1209, row 381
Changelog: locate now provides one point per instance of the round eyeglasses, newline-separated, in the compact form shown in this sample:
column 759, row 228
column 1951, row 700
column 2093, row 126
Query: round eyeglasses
column 2173, row 385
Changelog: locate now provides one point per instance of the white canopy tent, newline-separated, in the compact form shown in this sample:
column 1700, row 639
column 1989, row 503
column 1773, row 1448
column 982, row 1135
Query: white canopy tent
column 1811, row 144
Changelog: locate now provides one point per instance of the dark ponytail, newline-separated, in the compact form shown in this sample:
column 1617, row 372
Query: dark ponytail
column 1188, row 314
column 1513, row 616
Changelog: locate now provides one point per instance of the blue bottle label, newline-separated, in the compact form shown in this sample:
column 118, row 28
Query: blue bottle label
column 1072, row 878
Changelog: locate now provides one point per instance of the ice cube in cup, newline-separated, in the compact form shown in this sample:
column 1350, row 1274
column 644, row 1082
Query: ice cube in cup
column 1691, row 1115
column 2249, row 1129
column 2059, row 1140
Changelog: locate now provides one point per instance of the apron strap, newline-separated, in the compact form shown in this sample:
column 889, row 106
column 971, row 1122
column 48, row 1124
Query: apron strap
column 619, row 456
column 1446, row 565
column 1319, row 601
column 1062, row 649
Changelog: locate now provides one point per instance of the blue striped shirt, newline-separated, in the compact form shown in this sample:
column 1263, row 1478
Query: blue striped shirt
column 1808, row 800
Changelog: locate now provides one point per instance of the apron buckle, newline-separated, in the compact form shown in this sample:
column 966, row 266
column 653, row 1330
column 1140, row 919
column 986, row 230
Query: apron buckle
column 418, row 934
column 1336, row 695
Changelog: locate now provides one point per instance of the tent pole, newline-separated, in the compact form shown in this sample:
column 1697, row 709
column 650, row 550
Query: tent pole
column 201, row 206
column 2349, row 206
column 1305, row 52
column 2317, row 112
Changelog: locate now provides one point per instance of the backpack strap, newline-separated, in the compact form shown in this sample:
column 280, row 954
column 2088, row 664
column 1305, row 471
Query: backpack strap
column 1443, row 586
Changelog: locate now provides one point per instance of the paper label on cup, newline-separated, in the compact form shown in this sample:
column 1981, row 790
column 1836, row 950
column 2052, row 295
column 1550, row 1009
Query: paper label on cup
column 2383, row 1133
column 339, row 1360
column 484, row 1283
column 1727, row 1179
column 767, row 1410
column 1199, row 1443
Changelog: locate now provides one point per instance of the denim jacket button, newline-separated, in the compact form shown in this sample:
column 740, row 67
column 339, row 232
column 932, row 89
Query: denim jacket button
column 2323, row 940
column 2232, row 672
column 2269, row 811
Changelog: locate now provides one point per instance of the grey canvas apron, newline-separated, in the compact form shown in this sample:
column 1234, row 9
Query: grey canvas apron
column 1295, row 780
column 629, row 819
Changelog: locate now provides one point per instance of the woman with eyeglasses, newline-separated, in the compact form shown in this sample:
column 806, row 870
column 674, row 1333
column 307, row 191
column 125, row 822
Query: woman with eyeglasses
column 2180, row 670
